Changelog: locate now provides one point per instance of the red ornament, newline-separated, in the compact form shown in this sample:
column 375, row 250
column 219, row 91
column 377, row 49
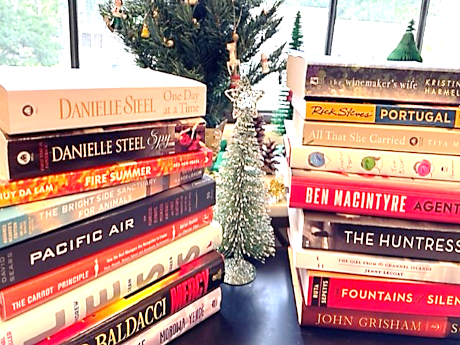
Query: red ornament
column 234, row 81
column 289, row 96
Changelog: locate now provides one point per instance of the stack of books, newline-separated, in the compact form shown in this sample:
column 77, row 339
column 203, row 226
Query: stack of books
column 107, row 231
column 374, row 197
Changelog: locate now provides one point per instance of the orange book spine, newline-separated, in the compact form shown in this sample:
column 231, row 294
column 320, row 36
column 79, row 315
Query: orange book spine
column 23, row 296
column 50, row 186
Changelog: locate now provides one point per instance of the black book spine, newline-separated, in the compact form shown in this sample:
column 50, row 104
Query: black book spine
column 376, row 240
column 205, row 274
column 454, row 328
column 68, row 244
column 51, row 154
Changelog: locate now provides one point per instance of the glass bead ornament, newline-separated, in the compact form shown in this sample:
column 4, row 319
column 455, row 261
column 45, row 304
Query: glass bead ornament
column 242, row 195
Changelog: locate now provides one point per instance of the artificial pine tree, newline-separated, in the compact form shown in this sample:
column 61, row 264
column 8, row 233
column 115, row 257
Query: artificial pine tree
column 205, row 40
column 285, row 110
column 406, row 49
column 296, row 36
column 242, row 196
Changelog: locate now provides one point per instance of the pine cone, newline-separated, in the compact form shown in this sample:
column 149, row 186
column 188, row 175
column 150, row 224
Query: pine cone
column 259, row 124
column 268, row 155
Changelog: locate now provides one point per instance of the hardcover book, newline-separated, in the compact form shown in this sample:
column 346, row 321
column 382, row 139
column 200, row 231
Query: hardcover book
column 50, row 186
column 28, row 294
column 379, row 236
column 346, row 291
column 182, row 321
column 127, row 317
column 45, row 99
column 33, row 155
column 368, row 265
column 22, row 222
column 57, row 248
column 75, row 305
column 402, row 81
column 437, row 201
column 368, row 321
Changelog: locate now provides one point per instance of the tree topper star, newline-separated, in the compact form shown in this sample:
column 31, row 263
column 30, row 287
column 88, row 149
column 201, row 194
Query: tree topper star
column 244, row 98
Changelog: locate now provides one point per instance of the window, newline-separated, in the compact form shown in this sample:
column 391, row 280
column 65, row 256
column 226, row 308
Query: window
column 37, row 33
column 34, row 33
column 107, row 50
column 371, row 29
column 314, row 18
column 441, row 33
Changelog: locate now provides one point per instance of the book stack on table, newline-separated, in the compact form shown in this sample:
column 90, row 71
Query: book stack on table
column 374, row 195
column 107, row 231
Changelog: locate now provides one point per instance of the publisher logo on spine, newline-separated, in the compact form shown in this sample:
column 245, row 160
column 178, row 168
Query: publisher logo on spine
column 23, row 158
column 27, row 110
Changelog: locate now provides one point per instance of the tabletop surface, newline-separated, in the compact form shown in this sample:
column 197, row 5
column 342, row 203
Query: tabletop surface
column 263, row 312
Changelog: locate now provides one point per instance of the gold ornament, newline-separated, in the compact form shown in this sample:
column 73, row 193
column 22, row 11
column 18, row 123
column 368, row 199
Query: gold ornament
column 194, row 21
column 169, row 43
column 276, row 190
column 145, row 31
column 155, row 13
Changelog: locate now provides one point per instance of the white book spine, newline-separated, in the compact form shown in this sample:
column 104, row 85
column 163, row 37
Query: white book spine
column 180, row 322
column 78, row 103
column 75, row 305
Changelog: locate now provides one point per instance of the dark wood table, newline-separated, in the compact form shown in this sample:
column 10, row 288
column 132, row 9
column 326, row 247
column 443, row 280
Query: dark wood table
column 263, row 312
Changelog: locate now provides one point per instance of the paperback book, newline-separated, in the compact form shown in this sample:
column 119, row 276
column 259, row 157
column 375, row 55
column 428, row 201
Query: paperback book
column 43, row 99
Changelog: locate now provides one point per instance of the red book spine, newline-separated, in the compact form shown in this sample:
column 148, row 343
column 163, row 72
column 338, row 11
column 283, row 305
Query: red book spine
column 390, row 295
column 378, row 322
column 21, row 297
column 50, row 186
column 376, row 197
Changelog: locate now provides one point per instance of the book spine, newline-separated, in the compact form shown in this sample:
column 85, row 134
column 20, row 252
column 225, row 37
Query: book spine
column 367, row 321
column 381, row 114
column 383, row 200
column 50, row 186
column 394, row 138
column 380, row 240
column 382, row 163
column 378, row 322
column 390, row 295
column 182, row 321
column 377, row 266
column 23, row 296
column 67, row 309
column 52, row 154
column 392, row 83
column 128, row 317
column 57, row 248
column 79, row 108
column 22, row 222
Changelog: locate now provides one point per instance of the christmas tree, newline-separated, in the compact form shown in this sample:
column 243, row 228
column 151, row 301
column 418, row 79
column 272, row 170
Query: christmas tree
column 285, row 110
column 406, row 49
column 242, row 196
column 296, row 35
column 206, row 40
